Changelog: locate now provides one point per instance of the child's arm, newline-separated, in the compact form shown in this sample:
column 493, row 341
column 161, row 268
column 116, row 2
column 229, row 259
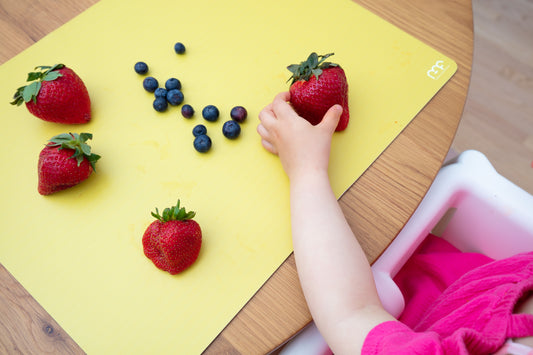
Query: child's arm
column 333, row 270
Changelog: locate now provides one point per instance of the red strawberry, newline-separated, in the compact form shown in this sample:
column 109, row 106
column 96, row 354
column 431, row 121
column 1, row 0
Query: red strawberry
column 316, row 86
column 56, row 94
column 64, row 162
column 173, row 241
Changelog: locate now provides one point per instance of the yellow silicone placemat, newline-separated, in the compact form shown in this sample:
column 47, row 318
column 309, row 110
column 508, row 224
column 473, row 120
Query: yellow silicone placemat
column 79, row 252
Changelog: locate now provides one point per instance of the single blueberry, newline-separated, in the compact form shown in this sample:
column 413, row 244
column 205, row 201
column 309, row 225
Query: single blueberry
column 179, row 48
column 174, row 97
column 160, row 104
column 239, row 114
column 202, row 143
column 210, row 113
column 160, row 92
column 150, row 84
column 198, row 130
column 172, row 84
column 141, row 68
column 231, row 129
column 187, row 111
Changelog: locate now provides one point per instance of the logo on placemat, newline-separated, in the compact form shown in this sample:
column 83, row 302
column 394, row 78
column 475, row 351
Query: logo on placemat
column 437, row 69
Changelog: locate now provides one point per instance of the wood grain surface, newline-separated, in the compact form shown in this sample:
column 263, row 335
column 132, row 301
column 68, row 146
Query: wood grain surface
column 376, row 206
column 498, row 115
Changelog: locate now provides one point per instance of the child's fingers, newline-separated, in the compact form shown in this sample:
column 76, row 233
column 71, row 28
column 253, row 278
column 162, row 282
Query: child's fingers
column 331, row 118
column 283, row 96
column 266, row 139
column 263, row 132
column 267, row 120
column 281, row 107
column 269, row 147
column 280, row 98
column 268, row 107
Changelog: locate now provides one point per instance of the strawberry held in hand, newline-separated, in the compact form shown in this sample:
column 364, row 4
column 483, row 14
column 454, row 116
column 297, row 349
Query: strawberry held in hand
column 173, row 241
column 64, row 162
column 316, row 86
column 55, row 94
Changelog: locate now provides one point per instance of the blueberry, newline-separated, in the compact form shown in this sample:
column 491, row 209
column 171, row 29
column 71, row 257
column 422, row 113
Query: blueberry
column 198, row 130
column 187, row 111
column 210, row 113
column 179, row 48
column 160, row 104
column 141, row 68
column 150, row 84
column 173, row 83
column 174, row 97
column 160, row 92
column 239, row 114
column 231, row 129
column 202, row 143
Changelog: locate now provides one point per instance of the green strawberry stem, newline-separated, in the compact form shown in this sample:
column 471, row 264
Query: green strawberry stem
column 175, row 213
column 30, row 91
column 312, row 66
column 77, row 142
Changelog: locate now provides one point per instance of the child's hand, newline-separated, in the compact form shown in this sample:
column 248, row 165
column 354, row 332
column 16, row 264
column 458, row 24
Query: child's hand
column 301, row 147
column 333, row 269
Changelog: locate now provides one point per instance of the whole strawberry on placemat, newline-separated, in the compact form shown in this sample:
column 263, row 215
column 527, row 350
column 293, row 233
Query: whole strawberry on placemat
column 64, row 162
column 55, row 94
column 316, row 86
column 174, row 240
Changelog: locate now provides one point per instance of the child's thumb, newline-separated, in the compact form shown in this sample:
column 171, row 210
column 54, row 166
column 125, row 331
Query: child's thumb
column 331, row 118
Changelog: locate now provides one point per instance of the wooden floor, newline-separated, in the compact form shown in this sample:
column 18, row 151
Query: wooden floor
column 498, row 116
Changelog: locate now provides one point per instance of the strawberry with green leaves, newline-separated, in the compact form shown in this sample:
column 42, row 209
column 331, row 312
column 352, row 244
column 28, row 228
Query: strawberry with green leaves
column 173, row 240
column 316, row 86
column 55, row 94
column 65, row 162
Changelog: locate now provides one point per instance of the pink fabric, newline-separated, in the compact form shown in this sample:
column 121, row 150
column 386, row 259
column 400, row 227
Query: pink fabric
column 472, row 315
column 434, row 266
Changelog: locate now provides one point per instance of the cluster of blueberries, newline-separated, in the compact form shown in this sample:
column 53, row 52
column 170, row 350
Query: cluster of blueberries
column 172, row 94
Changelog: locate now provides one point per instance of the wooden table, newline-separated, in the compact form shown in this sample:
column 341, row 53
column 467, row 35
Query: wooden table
column 377, row 206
